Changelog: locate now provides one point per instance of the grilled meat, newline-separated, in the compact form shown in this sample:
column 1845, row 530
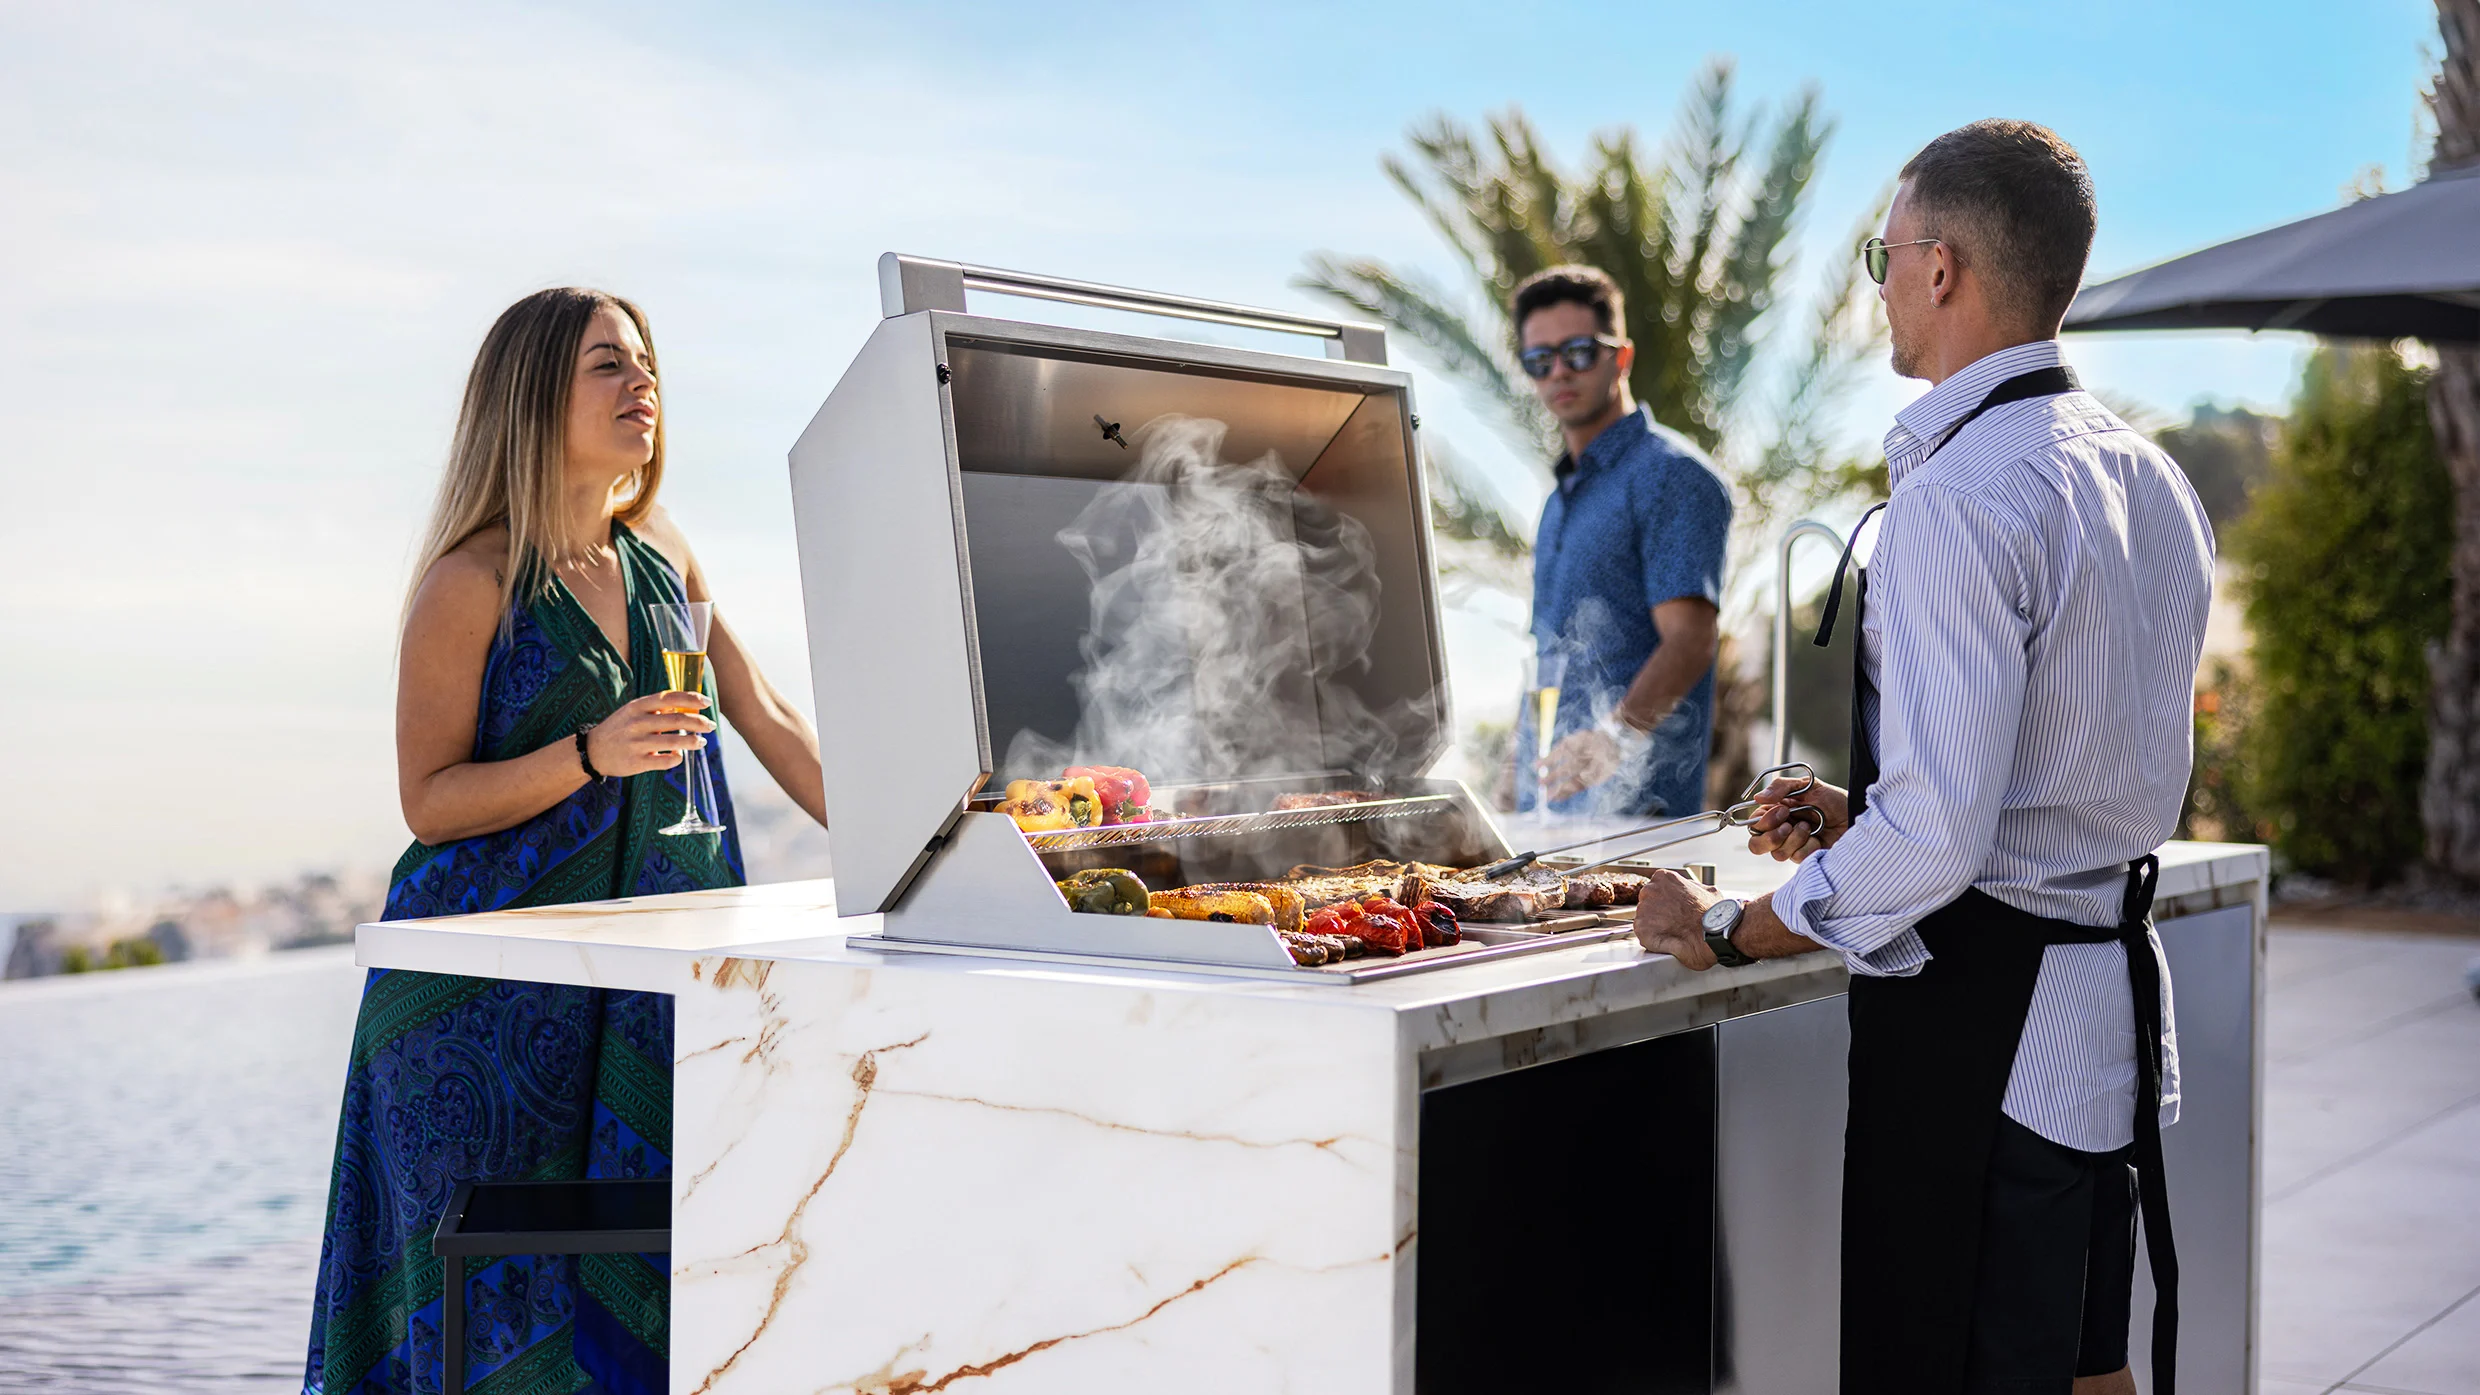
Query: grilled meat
column 1598, row 889
column 1330, row 799
column 1527, row 896
column 1314, row 950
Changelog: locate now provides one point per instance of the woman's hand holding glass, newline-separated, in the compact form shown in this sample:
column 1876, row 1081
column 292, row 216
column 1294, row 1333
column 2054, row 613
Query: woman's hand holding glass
column 646, row 734
column 1785, row 835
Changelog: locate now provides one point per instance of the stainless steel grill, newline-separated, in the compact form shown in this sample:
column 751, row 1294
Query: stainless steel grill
column 948, row 619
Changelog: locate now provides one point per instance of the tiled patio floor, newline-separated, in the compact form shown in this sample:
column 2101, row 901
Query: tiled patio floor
column 2371, row 1261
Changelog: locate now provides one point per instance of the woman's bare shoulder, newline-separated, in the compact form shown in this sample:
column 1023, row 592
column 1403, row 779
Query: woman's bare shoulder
column 465, row 585
column 663, row 533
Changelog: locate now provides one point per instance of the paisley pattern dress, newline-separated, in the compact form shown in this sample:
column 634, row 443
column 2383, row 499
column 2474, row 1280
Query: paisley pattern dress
column 455, row 1078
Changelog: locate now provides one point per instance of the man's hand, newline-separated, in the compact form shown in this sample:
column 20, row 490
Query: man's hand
column 1581, row 760
column 1785, row 838
column 1669, row 917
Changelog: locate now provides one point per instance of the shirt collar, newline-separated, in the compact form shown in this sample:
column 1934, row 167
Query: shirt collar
column 1617, row 437
column 1918, row 426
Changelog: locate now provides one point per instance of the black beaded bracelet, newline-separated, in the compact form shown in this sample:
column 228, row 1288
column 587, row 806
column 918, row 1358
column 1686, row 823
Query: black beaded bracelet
column 584, row 757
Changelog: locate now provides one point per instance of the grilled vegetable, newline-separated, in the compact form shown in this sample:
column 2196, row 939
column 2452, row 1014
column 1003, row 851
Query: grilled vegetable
column 1037, row 814
column 1124, row 792
column 1289, row 908
column 1194, row 903
column 1105, row 891
column 1077, row 798
column 1380, row 922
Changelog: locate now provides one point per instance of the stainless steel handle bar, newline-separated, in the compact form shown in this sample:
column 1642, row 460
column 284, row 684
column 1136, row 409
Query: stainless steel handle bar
column 1805, row 528
column 908, row 283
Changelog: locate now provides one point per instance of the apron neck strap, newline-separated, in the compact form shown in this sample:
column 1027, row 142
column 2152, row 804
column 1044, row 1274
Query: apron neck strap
column 2040, row 382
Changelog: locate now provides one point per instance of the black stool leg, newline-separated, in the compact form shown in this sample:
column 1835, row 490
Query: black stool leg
column 452, row 1313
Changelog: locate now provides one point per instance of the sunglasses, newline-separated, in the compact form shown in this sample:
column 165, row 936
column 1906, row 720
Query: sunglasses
column 1579, row 354
column 1873, row 253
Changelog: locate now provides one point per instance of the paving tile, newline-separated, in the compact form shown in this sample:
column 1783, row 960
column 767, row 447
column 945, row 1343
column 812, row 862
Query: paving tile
column 2377, row 980
column 2442, row 1360
column 2297, row 953
column 2327, row 1107
column 2356, row 1260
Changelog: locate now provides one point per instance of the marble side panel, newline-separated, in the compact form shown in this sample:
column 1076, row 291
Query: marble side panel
column 1029, row 1180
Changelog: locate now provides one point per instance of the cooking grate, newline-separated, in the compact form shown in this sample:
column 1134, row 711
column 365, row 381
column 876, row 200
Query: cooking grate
column 1224, row 825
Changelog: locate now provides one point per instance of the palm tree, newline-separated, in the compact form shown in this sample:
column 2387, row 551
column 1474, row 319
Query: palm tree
column 2450, row 795
column 1695, row 238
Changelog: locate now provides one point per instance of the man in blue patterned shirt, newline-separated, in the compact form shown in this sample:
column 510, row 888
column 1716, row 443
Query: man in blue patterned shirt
column 1627, row 569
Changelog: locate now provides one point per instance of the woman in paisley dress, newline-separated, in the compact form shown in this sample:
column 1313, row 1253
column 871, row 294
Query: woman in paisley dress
column 538, row 757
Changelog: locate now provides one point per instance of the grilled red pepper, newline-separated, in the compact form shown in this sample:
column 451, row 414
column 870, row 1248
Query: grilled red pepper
column 1124, row 791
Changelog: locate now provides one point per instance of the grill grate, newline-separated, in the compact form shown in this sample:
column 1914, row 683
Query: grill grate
column 1225, row 825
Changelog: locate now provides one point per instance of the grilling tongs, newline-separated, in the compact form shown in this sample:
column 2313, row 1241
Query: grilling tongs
column 1680, row 830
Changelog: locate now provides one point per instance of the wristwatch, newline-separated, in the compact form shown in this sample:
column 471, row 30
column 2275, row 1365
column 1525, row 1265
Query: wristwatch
column 1721, row 921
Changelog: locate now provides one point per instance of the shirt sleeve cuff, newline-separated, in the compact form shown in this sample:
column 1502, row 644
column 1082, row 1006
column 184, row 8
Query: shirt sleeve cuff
column 1871, row 951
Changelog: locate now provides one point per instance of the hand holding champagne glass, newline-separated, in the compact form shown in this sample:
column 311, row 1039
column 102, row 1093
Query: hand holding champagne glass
column 681, row 629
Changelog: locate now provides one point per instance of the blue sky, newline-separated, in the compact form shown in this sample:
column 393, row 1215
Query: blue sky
column 246, row 252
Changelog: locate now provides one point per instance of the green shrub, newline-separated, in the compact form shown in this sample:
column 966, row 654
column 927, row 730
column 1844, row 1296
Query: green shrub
column 2221, row 782
column 2343, row 559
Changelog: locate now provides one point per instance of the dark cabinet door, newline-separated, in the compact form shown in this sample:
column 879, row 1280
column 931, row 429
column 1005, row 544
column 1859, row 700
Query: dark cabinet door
column 1566, row 1226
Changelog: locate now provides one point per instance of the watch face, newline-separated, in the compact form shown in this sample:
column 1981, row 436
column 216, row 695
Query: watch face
column 1720, row 915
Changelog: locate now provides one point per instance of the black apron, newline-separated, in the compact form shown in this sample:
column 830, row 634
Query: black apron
column 1930, row 1059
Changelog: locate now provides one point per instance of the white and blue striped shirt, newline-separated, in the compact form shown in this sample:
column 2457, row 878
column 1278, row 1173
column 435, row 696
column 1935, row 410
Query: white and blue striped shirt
column 2036, row 609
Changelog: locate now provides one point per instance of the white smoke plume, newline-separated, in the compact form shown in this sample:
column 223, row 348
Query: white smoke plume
column 1229, row 614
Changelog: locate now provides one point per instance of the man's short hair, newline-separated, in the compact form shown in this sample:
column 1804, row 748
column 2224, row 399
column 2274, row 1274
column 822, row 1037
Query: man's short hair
column 2016, row 204
column 1571, row 285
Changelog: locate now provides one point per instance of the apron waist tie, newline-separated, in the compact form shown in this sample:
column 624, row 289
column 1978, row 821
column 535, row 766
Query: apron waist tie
column 2134, row 933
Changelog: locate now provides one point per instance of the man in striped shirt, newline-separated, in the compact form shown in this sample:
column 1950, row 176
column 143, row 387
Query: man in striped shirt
column 2030, row 624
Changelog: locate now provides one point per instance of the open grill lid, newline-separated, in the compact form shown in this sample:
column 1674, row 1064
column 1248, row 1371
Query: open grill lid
column 957, row 638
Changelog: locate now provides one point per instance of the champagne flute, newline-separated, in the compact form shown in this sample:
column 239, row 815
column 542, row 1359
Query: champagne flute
column 680, row 630
column 1549, row 672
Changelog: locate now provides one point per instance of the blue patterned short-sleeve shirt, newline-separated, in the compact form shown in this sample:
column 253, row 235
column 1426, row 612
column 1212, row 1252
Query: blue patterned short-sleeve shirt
column 1642, row 518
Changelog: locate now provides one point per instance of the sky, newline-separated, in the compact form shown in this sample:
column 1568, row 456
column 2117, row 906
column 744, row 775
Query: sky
column 247, row 251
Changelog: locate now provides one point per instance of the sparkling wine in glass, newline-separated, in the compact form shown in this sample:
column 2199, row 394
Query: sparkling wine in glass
column 1549, row 674
column 681, row 629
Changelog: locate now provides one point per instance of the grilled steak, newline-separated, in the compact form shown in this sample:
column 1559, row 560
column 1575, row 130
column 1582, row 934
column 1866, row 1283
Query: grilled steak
column 1526, row 896
column 1328, row 800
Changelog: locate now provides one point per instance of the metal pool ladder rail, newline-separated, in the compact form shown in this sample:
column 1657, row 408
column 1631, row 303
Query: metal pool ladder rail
column 1805, row 528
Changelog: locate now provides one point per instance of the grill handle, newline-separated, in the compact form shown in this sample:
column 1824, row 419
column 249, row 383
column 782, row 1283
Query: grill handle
column 908, row 283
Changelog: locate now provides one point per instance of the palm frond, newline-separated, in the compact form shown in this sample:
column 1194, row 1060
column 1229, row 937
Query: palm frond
column 1409, row 305
column 1751, row 266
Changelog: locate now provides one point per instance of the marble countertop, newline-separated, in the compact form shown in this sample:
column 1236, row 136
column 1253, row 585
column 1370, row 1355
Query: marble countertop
column 658, row 943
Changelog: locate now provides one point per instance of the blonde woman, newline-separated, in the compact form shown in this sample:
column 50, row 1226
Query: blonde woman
column 537, row 755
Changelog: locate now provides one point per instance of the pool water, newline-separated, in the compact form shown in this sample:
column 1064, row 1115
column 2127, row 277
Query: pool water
column 165, row 1136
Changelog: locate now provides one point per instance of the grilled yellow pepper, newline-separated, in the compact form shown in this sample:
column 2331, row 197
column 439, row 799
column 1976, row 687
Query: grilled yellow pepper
column 1076, row 799
column 1037, row 814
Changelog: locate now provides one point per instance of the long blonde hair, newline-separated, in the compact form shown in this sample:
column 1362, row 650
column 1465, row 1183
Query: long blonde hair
column 512, row 439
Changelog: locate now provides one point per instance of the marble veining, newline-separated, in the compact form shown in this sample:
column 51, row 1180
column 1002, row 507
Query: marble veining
column 900, row 1173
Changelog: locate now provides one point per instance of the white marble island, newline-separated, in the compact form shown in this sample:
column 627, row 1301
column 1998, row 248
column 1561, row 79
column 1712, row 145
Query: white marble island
column 909, row 1172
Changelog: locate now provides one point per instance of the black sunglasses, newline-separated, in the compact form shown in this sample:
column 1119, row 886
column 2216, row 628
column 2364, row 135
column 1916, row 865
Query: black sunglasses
column 1579, row 354
column 1874, row 254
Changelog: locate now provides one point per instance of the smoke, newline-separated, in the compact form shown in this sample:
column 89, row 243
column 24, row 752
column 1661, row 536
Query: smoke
column 1230, row 614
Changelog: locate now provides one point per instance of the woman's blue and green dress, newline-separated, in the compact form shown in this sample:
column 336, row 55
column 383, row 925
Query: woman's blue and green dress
column 457, row 1078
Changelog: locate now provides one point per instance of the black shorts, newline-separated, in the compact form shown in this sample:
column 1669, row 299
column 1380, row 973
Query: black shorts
column 2057, row 1266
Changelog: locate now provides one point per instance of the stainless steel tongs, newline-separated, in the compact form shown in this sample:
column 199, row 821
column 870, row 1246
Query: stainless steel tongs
column 1680, row 830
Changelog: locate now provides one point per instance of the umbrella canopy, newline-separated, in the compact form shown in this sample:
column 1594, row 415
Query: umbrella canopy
column 2396, row 266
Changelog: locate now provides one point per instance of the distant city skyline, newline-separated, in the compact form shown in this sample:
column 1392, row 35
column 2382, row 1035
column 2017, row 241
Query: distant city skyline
column 250, row 248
